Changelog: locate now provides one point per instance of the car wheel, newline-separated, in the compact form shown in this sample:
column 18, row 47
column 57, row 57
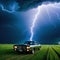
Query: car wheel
column 33, row 51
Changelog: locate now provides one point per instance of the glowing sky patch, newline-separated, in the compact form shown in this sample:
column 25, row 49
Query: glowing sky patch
column 3, row 9
column 53, row 5
column 11, row 8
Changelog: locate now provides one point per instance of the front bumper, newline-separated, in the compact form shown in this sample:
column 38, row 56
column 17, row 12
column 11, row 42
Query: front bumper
column 21, row 50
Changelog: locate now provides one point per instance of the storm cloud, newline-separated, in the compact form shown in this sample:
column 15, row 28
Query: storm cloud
column 13, row 30
column 9, row 33
column 25, row 4
column 28, row 4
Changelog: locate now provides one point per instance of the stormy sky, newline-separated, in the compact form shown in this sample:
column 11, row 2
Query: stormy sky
column 16, row 17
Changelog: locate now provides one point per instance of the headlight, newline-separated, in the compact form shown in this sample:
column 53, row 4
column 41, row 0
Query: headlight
column 28, row 47
column 15, row 46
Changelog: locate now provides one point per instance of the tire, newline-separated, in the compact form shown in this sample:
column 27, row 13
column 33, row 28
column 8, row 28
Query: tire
column 33, row 51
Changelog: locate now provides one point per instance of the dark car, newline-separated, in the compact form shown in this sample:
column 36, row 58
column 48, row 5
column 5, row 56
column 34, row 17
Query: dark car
column 28, row 46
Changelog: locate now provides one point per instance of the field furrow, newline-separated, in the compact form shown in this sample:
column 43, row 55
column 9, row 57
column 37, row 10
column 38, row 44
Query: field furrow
column 46, row 52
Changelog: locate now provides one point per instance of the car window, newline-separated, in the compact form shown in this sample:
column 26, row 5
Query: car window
column 30, row 42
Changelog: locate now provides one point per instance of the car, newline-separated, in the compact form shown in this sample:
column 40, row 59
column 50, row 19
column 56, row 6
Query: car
column 27, row 47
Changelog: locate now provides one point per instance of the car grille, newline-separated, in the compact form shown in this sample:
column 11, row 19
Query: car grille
column 22, row 47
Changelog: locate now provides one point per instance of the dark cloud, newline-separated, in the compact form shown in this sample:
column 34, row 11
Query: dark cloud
column 25, row 4
column 49, row 34
column 8, row 32
column 28, row 4
column 6, row 1
column 7, row 18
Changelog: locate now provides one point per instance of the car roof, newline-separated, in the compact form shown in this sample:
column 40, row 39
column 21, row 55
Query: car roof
column 30, row 41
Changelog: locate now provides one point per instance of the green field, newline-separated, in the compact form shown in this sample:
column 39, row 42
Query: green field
column 46, row 52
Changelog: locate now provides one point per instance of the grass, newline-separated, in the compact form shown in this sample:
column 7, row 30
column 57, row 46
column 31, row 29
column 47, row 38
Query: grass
column 46, row 52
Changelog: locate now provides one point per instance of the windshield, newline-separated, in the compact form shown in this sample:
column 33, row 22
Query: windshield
column 30, row 42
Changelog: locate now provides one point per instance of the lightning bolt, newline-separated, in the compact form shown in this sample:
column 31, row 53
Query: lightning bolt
column 33, row 24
